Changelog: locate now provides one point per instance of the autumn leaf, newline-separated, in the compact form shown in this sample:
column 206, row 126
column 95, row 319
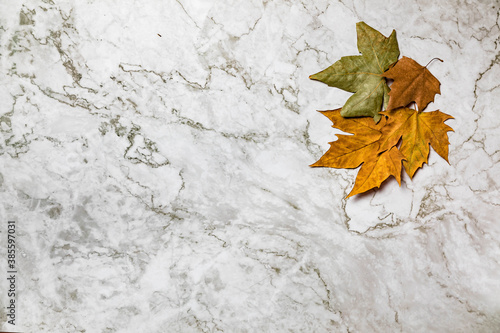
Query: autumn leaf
column 417, row 130
column 412, row 83
column 350, row 151
column 399, row 136
column 376, row 170
column 363, row 74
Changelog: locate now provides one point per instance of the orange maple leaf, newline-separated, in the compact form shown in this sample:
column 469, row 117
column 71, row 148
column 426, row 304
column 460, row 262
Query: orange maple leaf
column 350, row 151
column 412, row 83
column 417, row 130
column 377, row 169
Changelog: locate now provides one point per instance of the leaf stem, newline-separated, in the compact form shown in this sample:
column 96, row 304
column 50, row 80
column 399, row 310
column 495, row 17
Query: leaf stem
column 433, row 60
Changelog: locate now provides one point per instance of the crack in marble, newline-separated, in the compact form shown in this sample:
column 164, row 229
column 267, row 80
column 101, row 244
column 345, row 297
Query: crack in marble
column 19, row 146
column 493, row 62
column 187, row 14
column 250, row 137
column 147, row 154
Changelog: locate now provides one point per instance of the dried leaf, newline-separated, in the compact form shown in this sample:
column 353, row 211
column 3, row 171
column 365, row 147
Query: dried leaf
column 417, row 130
column 350, row 151
column 376, row 170
column 412, row 83
column 363, row 75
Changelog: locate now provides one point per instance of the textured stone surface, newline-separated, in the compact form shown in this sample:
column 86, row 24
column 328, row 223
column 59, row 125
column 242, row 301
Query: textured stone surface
column 155, row 157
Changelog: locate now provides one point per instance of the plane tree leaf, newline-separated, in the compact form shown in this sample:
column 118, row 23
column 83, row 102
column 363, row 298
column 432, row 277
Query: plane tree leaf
column 399, row 137
column 412, row 83
column 363, row 75
column 361, row 148
column 376, row 170
column 416, row 130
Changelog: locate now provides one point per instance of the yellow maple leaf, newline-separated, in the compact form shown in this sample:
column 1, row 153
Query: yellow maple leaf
column 417, row 130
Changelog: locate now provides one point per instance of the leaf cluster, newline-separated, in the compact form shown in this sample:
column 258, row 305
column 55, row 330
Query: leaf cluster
column 382, row 141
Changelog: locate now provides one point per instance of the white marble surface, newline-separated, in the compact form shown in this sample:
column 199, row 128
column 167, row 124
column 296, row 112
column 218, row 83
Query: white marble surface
column 155, row 157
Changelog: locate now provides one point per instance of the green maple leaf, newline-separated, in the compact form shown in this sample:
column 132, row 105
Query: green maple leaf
column 362, row 74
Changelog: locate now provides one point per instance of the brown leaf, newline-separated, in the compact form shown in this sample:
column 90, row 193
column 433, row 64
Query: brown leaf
column 412, row 83
column 350, row 151
column 417, row 130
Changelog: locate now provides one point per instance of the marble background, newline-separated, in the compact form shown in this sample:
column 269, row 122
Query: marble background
column 155, row 157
